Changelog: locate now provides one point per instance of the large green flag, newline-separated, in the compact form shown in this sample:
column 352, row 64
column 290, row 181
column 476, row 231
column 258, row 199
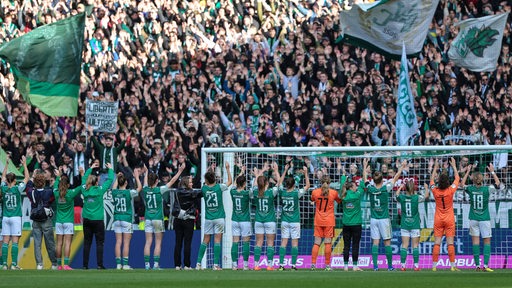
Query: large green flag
column 46, row 64
column 11, row 167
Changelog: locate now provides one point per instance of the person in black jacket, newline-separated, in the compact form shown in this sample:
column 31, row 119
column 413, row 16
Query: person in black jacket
column 38, row 192
column 184, row 212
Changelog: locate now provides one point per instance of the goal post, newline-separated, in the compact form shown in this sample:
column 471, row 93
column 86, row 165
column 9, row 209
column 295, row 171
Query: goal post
column 332, row 160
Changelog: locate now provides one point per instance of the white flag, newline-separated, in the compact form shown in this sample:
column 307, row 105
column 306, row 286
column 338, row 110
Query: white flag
column 478, row 44
column 382, row 26
column 406, row 123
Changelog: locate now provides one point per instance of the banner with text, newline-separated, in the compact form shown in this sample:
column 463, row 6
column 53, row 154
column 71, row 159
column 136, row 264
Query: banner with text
column 101, row 115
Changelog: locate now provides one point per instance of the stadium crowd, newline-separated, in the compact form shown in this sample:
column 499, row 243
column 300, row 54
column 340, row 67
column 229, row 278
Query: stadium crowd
column 193, row 74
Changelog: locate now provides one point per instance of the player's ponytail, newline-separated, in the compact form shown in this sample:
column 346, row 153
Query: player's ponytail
column 409, row 186
column 262, row 185
column 63, row 186
column 326, row 181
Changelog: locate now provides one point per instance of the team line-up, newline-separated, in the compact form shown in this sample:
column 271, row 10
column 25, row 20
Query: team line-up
column 262, row 195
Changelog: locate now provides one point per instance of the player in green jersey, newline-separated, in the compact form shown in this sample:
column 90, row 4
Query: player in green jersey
column 11, row 207
column 380, row 224
column 410, row 221
column 290, row 214
column 214, row 215
column 241, row 220
column 154, row 214
column 265, row 219
column 93, row 212
column 64, row 225
column 479, row 217
column 351, row 194
column 123, row 217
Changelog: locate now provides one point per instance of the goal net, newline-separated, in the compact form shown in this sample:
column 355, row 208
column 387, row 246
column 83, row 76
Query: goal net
column 333, row 160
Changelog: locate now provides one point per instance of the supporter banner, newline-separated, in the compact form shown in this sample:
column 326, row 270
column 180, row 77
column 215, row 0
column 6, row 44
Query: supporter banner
column 46, row 64
column 383, row 26
column 366, row 262
column 406, row 123
column 478, row 44
column 101, row 115
column 11, row 167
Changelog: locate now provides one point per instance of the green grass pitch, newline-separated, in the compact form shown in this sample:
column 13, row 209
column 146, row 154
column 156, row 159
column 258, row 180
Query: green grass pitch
column 232, row 279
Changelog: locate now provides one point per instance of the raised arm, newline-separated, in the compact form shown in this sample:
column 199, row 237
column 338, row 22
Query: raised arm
column 136, row 174
column 399, row 172
column 397, row 193
column 491, row 170
column 434, row 172
column 276, row 172
column 468, row 170
column 427, row 191
column 230, row 178
column 455, row 171
column 306, row 178
column 174, row 179
column 4, row 173
column 25, row 170
column 111, row 175
column 281, row 179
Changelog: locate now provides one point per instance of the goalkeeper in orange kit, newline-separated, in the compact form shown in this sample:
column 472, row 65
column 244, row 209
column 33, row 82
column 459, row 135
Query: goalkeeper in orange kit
column 444, row 220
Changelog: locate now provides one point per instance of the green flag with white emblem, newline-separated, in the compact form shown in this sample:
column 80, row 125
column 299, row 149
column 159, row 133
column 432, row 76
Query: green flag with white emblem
column 406, row 123
column 46, row 64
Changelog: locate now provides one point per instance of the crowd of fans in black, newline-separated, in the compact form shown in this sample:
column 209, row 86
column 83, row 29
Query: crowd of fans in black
column 194, row 74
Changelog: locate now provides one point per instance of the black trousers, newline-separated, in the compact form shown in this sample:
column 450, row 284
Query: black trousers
column 184, row 230
column 351, row 236
column 94, row 228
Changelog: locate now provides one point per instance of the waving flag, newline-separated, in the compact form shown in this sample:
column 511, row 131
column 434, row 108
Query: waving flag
column 478, row 44
column 46, row 64
column 383, row 25
column 406, row 123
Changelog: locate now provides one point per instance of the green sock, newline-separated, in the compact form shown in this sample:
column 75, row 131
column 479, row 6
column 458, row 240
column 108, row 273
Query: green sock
column 234, row 252
column 125, row 260
column 66, row 260
column 118, row 260
column 295, row 253
column 257, row 255
column 14, row 254
column 270, row 255
column 156, row 260
column 216, row 253
column 246, row 250
column 487, row 254
column 146, row 258
column 375, row 255
column 476, row 255
column 416, row 255
column 403, row 255
column 389, row 256
column 200, row 255
column 5, row 252
column 282, row 253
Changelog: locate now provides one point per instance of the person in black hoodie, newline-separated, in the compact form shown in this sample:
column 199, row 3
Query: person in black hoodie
column 36, row 191
column 184, row 212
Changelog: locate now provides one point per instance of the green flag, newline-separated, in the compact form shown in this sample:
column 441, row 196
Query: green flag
column 11, row 167
column 46, row 64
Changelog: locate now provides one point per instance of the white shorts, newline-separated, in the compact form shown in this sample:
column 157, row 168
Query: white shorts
column 414, row 233
column 380, row 228
column 265, row 228
column 64, row 228
column 153, row 226
column 215, row 226
column 122, row 227
column 290, row 230
column 243, row 229
column 11, row 226
column 477, row 228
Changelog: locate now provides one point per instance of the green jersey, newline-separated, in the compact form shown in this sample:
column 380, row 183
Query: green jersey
column 352, row 213
column 241, row 209
column 213, row 201
column 11, row 200
column 290, row 211
column 123, row 204
column 65, row 205
column 94, row 208
column 410, row 213
column 479, row 202
column 379, row 201
column 153, row 202
column 265, row 210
